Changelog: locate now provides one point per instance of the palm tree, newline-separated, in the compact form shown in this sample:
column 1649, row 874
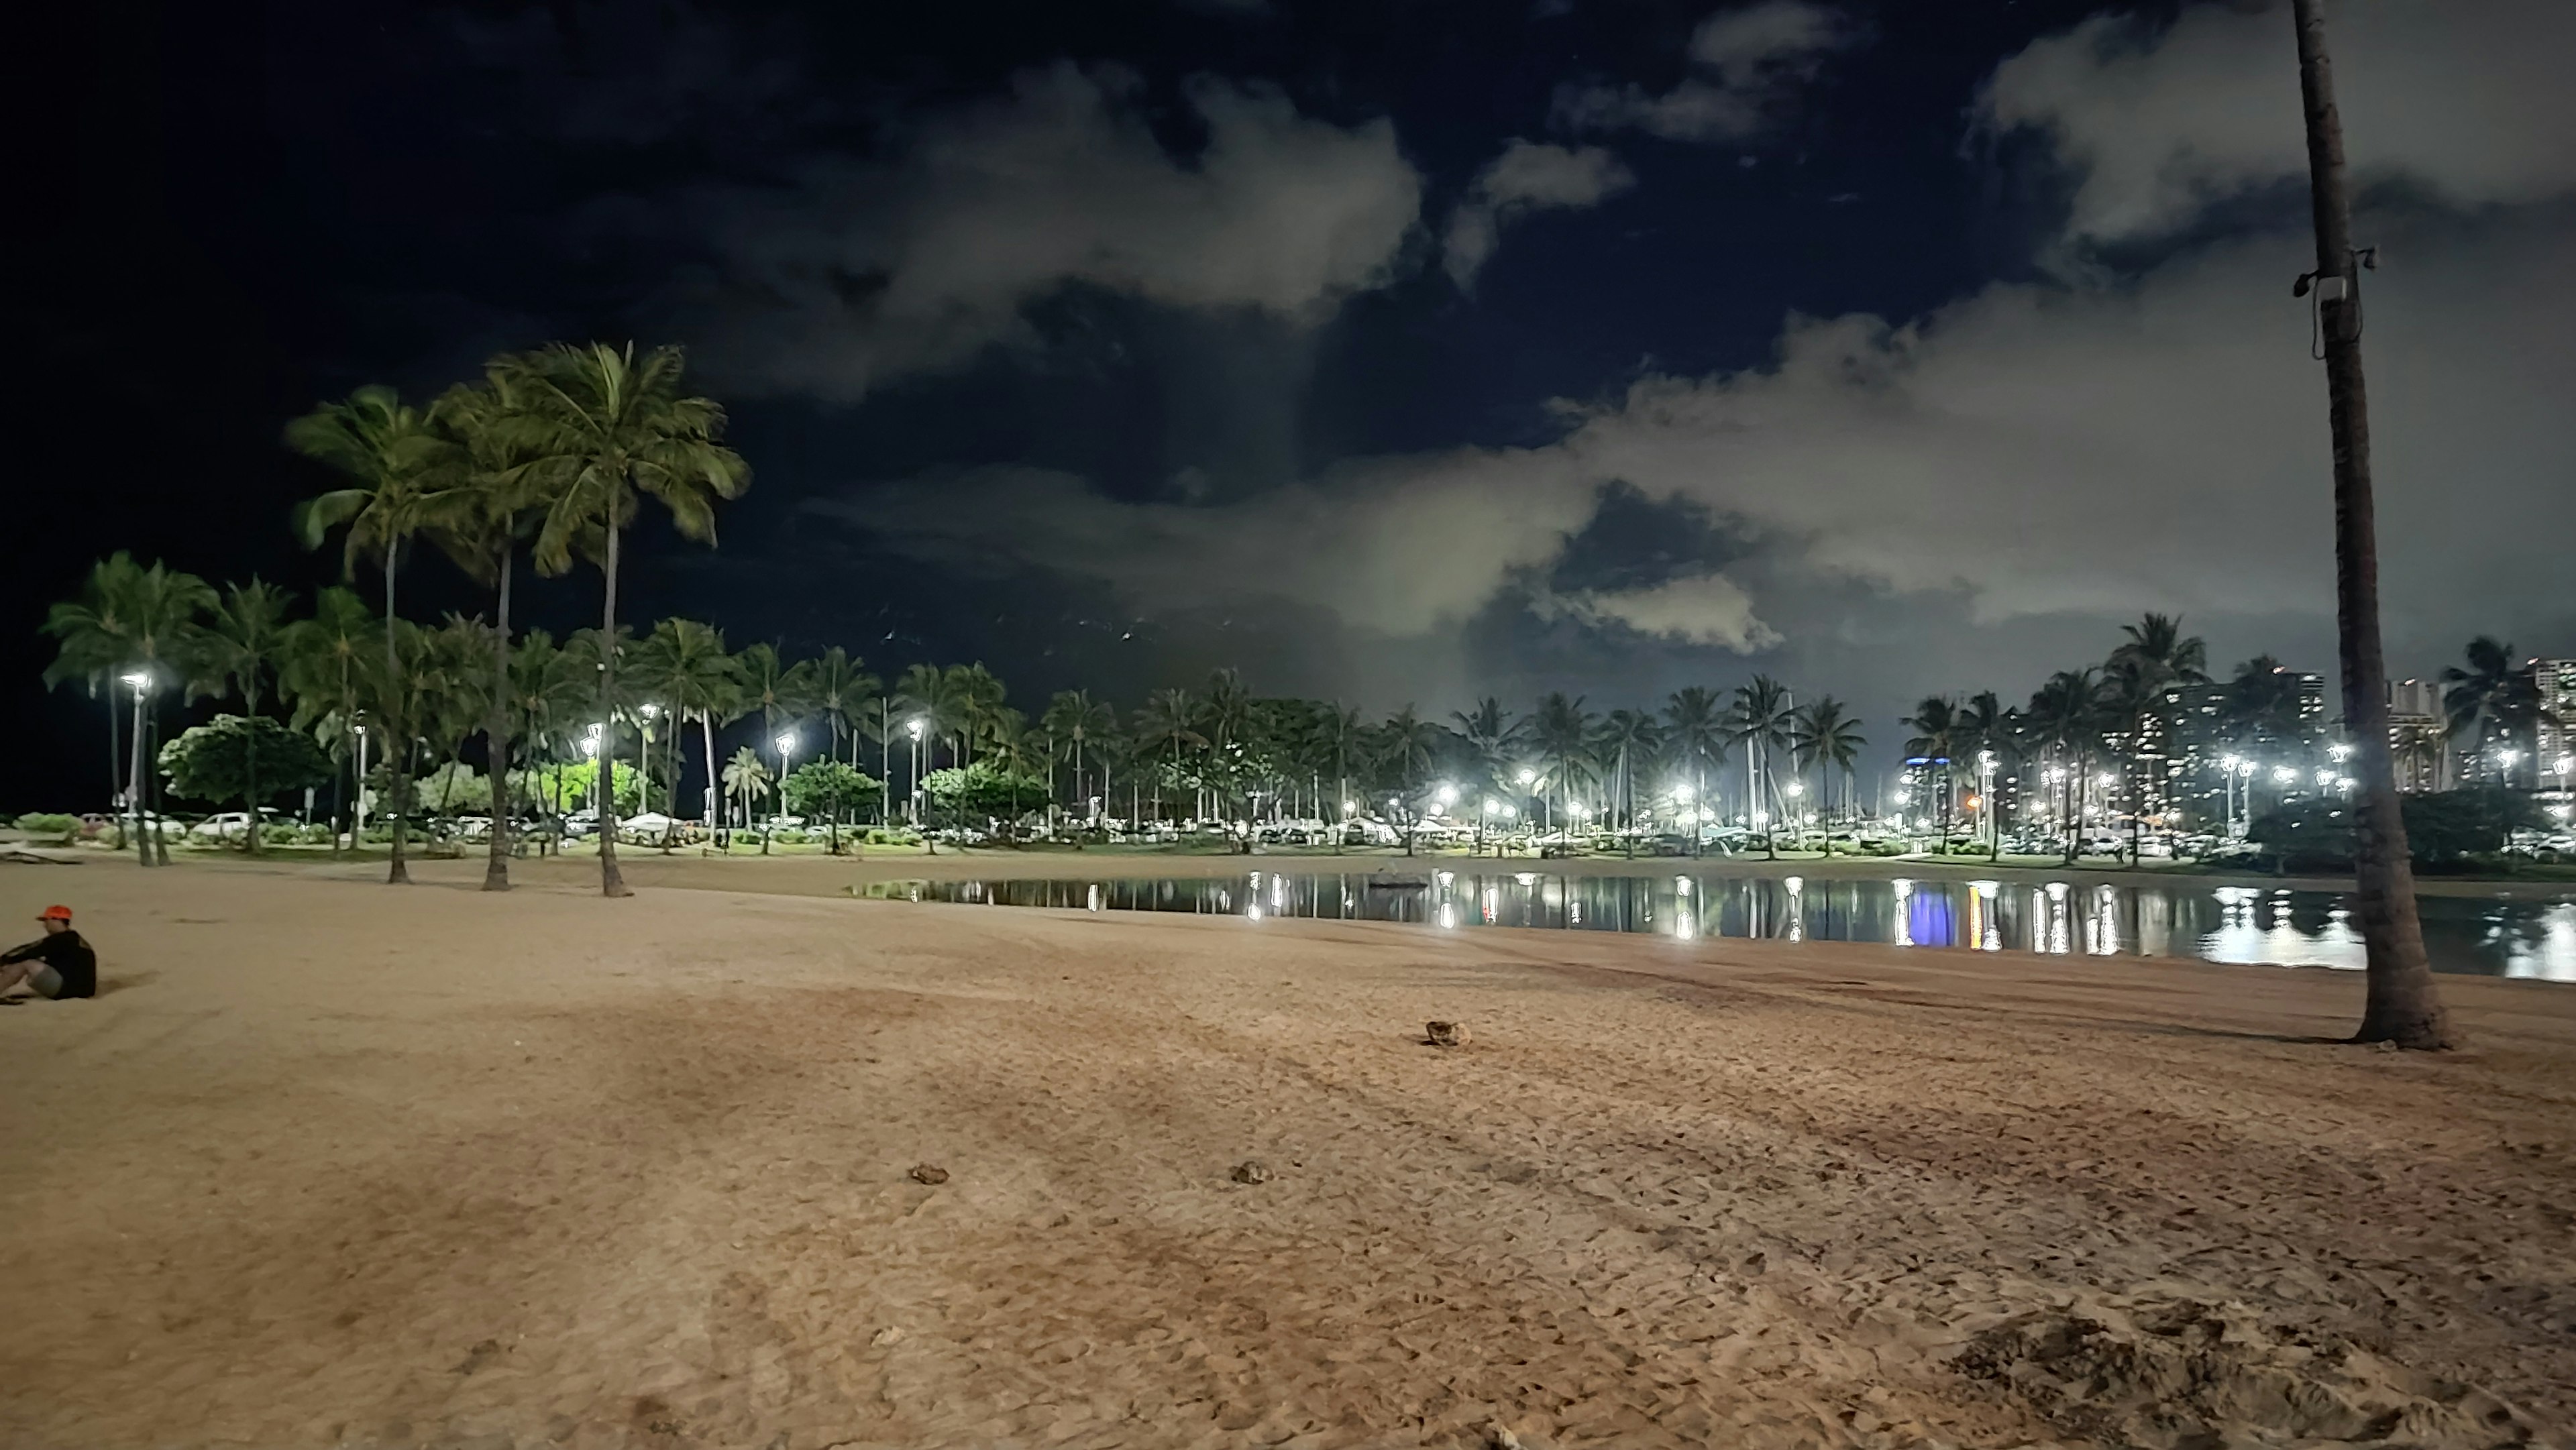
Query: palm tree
column 1561, row 731
column 322, row 661
column 480, row 507
column 2262, row 702
column 684, row 663
column 605, row 429
column 772, row 686
column 1986, row 727
column 837, row 687
column 1759, row 721
column 1225, row 714
column 2168, row 656
column 383, row 446
column 975, row 695
column 2132, row 698
column 2155, row 657
column 2495, row 702
column 1625, row 737
column 746, row 780
column 1075, row 718
column 1168, row 723
column 1825, row 736
column 553, row 691
column 1696, row 725
column 130, row 621
column 2065, row 719
column 1407, row 746
column 236, row 652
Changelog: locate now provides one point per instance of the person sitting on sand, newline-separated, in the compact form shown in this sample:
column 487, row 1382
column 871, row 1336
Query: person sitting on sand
column 57, row 964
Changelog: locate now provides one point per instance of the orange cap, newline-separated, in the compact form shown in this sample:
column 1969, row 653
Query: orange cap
column 55, row 913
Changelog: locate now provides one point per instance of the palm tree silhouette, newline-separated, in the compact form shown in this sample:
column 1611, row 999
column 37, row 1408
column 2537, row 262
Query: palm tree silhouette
column 606, row 430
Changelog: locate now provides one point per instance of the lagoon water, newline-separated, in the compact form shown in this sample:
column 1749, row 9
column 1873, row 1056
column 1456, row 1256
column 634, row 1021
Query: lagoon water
column 2210, row 923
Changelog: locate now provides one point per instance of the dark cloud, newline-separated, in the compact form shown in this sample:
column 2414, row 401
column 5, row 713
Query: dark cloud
column 859, row 272
column 2470, row 103
column 2034, row 460
column 1526, row 177
column 1748, row 65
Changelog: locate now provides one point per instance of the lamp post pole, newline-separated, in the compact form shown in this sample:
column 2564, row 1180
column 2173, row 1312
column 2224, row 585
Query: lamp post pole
column 140, row 682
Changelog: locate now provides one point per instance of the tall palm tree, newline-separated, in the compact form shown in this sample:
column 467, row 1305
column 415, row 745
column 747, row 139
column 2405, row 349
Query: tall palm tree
column 480, row 506
column 779, row 690
column 383, row 447
column 1759, row 721
column 1935, row 741
column 1626, row 739
column 976, row 694
column 1986, row 727
column 1695, row 724
column 554, row 690
column 130, row 620
column 606, row 429
column 1408, row 745
column 683, row 663
column 2064, row 719
column 1076, row 719
column 1225, row 715
column 1168, row 724
column 323, row 660
column 837, row 687
column 1561, row 732
column 236, row 653
column 2494, row 702
column 2132, row 699
column 1492, row 735
column 1824, row 735
column 2168, row 656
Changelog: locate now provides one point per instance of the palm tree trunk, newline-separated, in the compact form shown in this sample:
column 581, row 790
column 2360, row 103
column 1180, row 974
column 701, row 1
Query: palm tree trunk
column 611, row 881
column 496, row 740
column 2401, row 1005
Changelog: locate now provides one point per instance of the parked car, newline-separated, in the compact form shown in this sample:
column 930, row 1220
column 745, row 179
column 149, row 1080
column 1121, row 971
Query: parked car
column 229, row 825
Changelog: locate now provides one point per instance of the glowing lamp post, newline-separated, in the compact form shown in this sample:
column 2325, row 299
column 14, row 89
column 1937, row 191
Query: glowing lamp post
column 140, row 682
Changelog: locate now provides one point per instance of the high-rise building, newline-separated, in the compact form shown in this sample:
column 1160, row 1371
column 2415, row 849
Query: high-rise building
column 2205, row 733
column 2556, row 680
column 2419, row 741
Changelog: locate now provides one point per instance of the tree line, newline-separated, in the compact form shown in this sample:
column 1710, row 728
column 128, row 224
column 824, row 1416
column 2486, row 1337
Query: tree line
column 547, row 460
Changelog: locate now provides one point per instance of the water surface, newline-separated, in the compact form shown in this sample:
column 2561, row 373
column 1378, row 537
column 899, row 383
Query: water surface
column 2176, row 919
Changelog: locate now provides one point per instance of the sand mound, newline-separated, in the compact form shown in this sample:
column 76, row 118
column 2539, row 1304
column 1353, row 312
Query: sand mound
column 2179, row 1375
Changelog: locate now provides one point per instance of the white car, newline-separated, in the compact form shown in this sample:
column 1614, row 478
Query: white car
column 649, row 828
column 229, row 825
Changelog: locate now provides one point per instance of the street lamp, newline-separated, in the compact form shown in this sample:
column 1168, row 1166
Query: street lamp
column 912, row 727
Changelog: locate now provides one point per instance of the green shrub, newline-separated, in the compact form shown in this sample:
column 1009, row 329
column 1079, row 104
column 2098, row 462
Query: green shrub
column 47, row 823
column 281, row 833
column 317, row 834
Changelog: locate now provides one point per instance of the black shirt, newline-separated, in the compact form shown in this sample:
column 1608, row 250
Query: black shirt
column 68, row 955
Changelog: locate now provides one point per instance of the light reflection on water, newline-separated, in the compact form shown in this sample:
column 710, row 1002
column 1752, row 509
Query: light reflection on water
column 2212, row 923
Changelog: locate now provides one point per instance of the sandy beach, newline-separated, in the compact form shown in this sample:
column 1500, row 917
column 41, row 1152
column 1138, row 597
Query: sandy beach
column 329, row 1164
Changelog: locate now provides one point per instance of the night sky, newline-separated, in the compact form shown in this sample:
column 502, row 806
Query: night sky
column 1394, row 352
